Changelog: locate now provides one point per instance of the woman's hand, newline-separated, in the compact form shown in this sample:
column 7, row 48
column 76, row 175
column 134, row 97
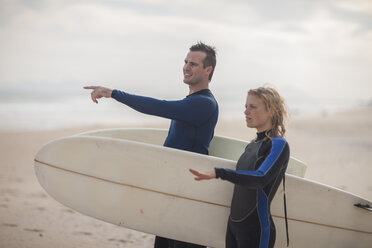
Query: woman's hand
column 203, row 176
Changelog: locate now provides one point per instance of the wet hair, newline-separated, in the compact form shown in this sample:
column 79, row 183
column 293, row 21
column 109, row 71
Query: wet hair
column 210, row 51
column 275, row 104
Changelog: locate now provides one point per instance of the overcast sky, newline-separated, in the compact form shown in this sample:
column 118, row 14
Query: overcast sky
column 319, row 48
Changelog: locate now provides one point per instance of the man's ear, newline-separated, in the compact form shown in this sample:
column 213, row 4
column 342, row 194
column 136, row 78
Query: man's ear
column 209, row 69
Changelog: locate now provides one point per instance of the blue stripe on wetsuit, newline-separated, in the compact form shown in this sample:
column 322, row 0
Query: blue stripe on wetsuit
column 263, row 213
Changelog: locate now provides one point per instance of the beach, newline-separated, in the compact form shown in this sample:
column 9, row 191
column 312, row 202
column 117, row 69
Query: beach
column 337, row 149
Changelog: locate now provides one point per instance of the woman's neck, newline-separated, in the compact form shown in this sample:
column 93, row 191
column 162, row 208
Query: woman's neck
column 261, row 135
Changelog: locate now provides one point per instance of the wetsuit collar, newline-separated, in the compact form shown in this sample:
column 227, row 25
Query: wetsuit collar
column 202, row 92
column 261, row 136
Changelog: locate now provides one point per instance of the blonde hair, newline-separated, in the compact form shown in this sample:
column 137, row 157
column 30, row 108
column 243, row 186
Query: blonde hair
column 276, row 105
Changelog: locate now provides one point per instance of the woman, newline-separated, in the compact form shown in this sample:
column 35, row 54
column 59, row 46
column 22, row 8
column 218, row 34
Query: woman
column 259, row 172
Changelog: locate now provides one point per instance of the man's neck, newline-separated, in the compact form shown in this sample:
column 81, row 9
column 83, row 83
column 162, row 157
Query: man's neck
column 196, row 88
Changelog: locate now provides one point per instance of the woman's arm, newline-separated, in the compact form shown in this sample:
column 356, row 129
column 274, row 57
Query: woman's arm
column 276, row 160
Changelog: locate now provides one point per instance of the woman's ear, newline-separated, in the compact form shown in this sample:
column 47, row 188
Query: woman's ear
column 271, row 113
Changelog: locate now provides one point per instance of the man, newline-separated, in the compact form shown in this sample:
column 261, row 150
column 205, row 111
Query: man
column 193, row 118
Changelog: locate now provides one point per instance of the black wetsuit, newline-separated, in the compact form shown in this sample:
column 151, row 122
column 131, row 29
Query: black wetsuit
column 259, row 172
column 192, row 127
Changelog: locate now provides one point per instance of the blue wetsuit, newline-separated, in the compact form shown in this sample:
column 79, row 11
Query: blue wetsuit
column 259, row 172
column 192, row 127
column 193, row 118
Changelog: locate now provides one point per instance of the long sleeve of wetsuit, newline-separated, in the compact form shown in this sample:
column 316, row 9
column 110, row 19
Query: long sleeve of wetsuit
column 269, row 169
column 191, row 109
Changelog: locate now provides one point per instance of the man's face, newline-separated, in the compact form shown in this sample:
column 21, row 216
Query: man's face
column 193, row 71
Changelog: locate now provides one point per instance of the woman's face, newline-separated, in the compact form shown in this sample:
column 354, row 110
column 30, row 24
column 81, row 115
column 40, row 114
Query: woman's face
column 256, row 115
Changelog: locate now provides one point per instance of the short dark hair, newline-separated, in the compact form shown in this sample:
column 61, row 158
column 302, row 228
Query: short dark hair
column 210, row 51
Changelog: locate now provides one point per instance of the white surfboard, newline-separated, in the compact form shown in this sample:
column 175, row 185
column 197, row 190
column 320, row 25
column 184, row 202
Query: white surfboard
column 222, row 147
column 148, row 188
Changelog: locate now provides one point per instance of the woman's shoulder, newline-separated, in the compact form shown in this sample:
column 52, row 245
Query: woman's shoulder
column 278, row 138
column 278, row 141
column 280, row 144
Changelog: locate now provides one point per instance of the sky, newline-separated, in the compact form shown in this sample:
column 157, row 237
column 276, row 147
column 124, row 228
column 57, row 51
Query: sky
column 320, row 49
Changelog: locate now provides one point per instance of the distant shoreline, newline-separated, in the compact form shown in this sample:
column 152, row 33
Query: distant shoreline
column 126, row 117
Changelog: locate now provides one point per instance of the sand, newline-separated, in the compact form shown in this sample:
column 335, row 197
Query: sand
column 336, row 147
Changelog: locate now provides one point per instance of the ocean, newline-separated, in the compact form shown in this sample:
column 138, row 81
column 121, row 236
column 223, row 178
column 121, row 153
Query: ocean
column 49, row 108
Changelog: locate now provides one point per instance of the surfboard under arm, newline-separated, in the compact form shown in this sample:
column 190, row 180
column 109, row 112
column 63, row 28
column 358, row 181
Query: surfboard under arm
column 220, row 146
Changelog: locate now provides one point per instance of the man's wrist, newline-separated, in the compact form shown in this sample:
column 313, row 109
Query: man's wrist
column 111, row 91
